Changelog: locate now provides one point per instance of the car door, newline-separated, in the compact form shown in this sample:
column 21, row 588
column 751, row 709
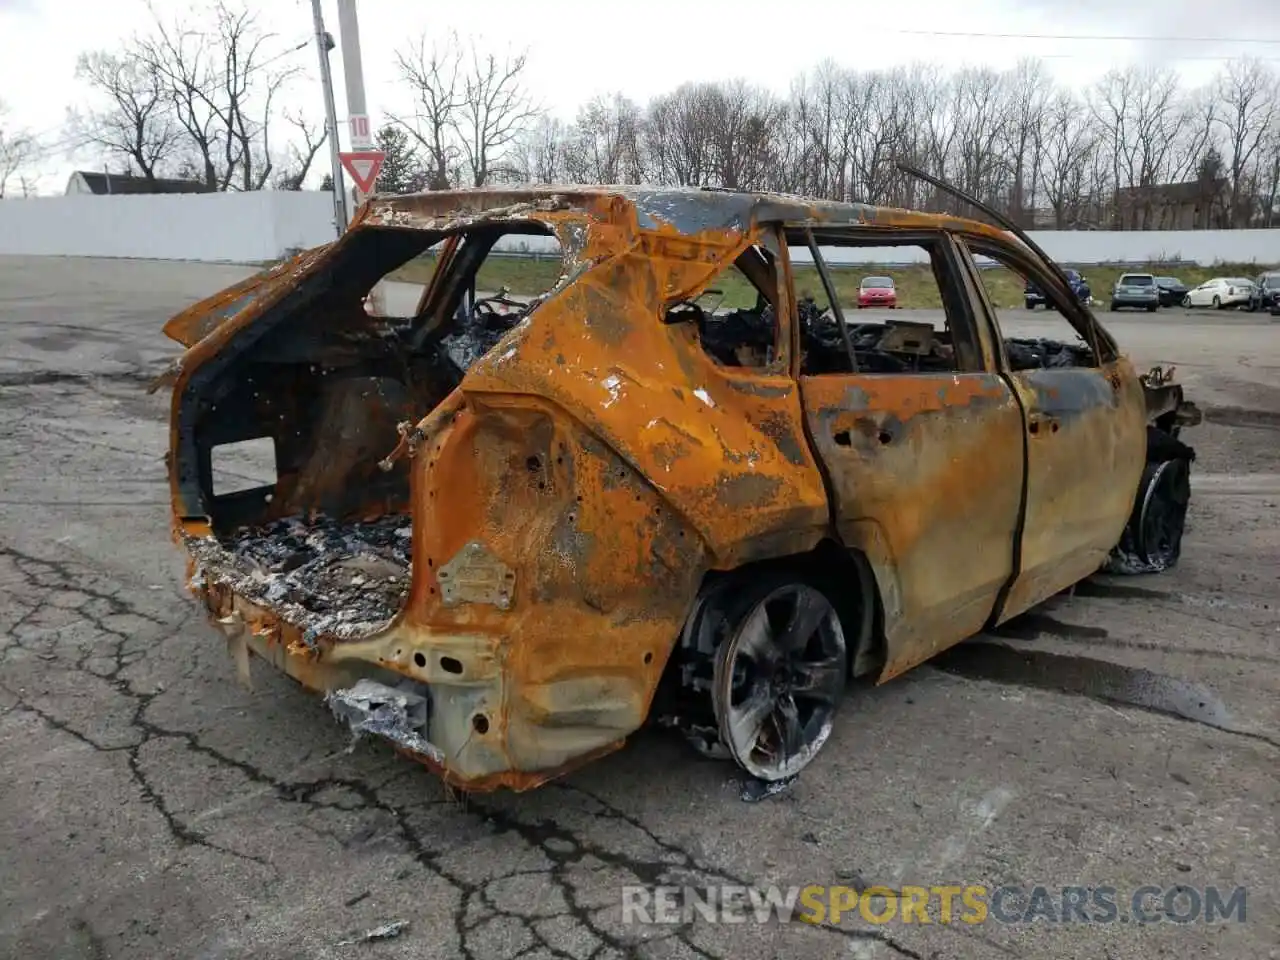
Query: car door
column 923, row 467
column 1085, row 437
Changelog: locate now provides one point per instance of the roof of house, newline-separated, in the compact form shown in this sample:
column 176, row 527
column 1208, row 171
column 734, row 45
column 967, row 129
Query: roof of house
column 102, row 183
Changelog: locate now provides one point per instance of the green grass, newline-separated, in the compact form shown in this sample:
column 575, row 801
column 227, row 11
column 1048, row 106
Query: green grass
column 916, row 286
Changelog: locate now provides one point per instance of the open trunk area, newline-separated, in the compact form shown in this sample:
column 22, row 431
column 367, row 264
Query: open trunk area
column 311, row 523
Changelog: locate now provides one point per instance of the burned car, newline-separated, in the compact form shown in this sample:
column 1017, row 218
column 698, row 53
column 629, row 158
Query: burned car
column 504, row 539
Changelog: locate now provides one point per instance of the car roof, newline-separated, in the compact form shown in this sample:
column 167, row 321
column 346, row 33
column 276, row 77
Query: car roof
column 688, row 210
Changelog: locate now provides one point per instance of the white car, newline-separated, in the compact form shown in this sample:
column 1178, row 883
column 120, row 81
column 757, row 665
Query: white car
column 1220, row 292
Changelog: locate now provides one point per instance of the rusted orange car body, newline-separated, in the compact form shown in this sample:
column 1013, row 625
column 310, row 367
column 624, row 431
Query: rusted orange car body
column 566, row 497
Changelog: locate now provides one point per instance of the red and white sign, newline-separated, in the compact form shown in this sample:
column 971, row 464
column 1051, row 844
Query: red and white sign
column 359, row 125
column 363, row 166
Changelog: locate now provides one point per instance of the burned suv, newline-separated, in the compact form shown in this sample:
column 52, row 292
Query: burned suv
column 503, row 537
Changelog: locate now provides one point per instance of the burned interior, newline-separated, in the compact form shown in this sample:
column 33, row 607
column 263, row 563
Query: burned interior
column 326, row 542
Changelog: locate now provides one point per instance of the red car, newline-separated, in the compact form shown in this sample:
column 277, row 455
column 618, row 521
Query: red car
column 877, row 292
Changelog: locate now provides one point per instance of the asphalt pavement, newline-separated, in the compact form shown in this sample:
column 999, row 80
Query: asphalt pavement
column 1122, row 736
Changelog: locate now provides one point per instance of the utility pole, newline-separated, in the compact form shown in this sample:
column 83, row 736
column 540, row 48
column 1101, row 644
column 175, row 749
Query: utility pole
column 324, row 43
column 357, row 111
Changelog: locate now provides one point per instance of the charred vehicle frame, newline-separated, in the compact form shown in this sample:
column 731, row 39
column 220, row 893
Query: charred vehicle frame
column 502, row 536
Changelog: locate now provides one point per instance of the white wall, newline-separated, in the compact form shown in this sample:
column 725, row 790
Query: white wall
column 250, row 227
column 234, row 227
column 1082, row 247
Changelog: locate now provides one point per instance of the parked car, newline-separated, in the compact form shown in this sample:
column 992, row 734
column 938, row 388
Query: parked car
column 1033, row 297
column 1136, row 290
column 1172, row 290
column 502, row 540
column 1266, row 292
column 1219, row 293
column 877, row 292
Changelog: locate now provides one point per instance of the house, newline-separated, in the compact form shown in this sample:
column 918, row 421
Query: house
column 1193, row 205
column 102, row 183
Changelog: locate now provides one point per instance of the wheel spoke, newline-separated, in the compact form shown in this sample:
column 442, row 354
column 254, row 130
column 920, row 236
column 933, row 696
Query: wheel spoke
column 746, row 721
column 818, row 679
column 755, row 638
column 790, row 731
column 810, row 610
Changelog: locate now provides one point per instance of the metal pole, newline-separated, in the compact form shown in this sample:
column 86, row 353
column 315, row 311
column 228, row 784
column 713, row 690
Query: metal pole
column 353, row 74
column 324, row 43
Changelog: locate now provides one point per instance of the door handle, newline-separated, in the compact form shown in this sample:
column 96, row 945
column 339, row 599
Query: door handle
column 1039, row 424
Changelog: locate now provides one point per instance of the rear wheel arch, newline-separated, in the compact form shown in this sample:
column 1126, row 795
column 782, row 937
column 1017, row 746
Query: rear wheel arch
column 845, row 576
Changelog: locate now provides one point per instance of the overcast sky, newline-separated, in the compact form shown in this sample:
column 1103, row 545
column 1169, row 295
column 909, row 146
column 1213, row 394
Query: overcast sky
column 576, row 51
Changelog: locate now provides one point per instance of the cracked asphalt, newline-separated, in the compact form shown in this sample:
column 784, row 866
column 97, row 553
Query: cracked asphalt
column 1127, row 734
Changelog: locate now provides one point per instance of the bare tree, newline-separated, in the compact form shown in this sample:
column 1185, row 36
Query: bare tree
column 604, row 146
column 495, row 111
column 1068, row 143
column 1030, row 89
column 1248, row 98
column 220, row 89
column 17, row 149
column 540, row 155
column 435, row 76
column 300, row 155
column 136, row 123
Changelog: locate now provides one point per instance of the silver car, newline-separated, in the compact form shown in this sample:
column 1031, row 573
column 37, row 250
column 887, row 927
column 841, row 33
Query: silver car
column 1136, row 290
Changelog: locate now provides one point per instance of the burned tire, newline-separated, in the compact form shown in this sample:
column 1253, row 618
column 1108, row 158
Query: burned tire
column 1152, row 539
column 779, row 675
column 1162, row 514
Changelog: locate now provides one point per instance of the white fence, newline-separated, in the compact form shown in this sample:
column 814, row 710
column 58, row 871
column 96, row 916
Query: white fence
column 251, row 227
column 233, row 227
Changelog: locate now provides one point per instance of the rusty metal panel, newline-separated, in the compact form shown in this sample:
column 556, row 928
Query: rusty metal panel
column 926, row 472
column 1086, row 447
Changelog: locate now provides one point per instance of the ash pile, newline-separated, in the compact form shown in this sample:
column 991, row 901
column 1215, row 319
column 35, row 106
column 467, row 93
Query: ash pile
column 348, row 579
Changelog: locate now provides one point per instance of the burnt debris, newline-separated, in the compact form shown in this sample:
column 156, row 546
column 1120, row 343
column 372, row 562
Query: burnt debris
column 1043, row 354
column 324, row 576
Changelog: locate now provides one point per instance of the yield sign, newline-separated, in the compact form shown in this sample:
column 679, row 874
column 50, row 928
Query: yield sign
column 363, row 165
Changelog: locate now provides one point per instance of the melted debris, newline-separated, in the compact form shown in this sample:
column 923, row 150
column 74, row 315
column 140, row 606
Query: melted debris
column 1032, row 354
column 754, row 790
column 346, row 579
column 387, row 931
column 397, row 713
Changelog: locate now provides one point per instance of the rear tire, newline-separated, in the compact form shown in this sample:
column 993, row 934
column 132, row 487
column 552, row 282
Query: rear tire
column 1030, row 305
column 1217, row 302
column 1152, row 308
column 779, row 676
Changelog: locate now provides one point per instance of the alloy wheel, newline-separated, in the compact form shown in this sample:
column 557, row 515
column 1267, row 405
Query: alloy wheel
column 778, row 679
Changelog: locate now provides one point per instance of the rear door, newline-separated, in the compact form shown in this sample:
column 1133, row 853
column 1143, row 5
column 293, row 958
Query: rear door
column 1085, row 428
column 920, row 437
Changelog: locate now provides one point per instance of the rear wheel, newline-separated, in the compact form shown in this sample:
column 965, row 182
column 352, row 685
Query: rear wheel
column 1031, row 305
column 1152, row 308
column 1217, row 302
column 778, row 677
